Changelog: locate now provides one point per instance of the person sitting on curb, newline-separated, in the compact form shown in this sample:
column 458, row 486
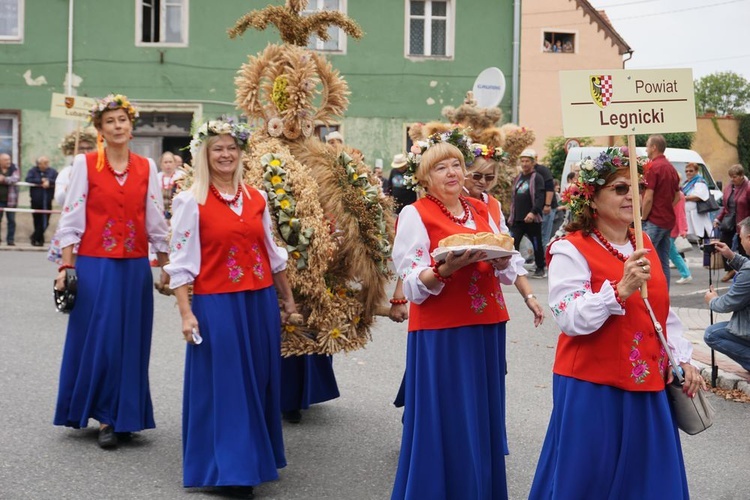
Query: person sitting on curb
column 733, row 337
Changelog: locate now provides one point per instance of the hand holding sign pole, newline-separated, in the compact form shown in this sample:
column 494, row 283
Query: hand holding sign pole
column 615, row 102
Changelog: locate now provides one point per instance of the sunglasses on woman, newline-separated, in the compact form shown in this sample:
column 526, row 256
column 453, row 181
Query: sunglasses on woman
column 621, row 188
column 477, row 176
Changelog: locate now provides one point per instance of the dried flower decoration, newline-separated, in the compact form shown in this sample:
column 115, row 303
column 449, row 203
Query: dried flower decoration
column 458, row 137
column 238, row 130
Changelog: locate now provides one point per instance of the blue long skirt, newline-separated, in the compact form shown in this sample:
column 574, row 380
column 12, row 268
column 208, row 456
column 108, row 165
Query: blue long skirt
column 306, row 380
column 104, row 373
column 231, row 418
column 606, row 443
column 453, row 442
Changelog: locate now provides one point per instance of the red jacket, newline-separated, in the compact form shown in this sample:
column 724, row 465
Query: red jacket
column 741, row 202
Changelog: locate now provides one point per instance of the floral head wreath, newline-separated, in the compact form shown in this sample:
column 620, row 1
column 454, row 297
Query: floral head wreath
column 110, row 103
column 491, row 153
column 68, row 144
column 593, row 173
column 457, row 137
column 238, row 130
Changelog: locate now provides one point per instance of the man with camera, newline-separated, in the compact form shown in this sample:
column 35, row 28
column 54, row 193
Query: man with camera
column 733, row 337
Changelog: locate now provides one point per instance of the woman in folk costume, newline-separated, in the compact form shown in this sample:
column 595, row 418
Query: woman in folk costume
column 166, row 177
column 113, row 212
column 453, row 442
column 611, row 433
column 222, row 244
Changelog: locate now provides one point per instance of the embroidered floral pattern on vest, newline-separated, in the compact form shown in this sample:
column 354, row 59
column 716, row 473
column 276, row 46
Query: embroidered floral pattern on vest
column 75, row 204
column 180, row 239
column 640, row 367
column 235, row 270
column 108, row 240
column 130, row 238
column 258, row 266
column 498, row 296
column 561, row 306
column 478, row 301
column 663, row 362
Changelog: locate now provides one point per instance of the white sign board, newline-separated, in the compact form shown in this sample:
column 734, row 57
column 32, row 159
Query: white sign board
column 627, row 102
column 71, row 107
column 489, row 88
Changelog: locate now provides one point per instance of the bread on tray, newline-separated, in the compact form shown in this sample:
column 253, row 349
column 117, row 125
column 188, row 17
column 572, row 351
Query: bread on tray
column 469, row 239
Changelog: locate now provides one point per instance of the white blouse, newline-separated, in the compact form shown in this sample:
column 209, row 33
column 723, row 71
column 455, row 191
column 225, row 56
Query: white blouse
column 411, row 249
column 72, row 222
column 185, row 252
column 579, row 310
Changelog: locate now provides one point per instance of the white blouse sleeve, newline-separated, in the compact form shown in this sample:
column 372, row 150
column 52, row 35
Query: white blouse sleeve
column 681, row 348
column 156, row 224
column 277, row 255
column 515, row 268
column 578, row 310
column 411, row 255
column 72, row 221
column 700, row 189
column 184, row 249
column 61, row 185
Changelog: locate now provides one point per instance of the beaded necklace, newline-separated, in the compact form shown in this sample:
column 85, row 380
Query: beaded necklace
column 117, row 174
column 610, row 248
column 221, row 198
column 457, row 220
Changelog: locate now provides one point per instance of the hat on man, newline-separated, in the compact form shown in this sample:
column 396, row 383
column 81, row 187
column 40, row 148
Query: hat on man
column 335, row 135
column 399, row 160
column 528, row 153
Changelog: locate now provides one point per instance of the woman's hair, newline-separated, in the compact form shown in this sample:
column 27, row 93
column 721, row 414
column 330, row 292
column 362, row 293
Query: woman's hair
column 164, row 155
column 693, row 166
column 435, row 154
column 585, row 220
column 482, row 162
column 202, row 172
column 736, row 170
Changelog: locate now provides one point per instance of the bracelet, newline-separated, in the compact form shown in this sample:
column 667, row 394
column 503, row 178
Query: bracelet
column 440, row 278
column 617, row 294
column 65, row 266
column 528, row 297
column 399, row 302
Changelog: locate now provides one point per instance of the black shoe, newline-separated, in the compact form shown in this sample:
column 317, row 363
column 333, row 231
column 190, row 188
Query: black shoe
column 237, row 491
column 293, row 417
column 124, row 437
column 539, row 274
column 11, row 244
column 107, row 437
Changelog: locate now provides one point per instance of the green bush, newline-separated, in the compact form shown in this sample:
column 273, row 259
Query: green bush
column 555, row 159
column 743, row 141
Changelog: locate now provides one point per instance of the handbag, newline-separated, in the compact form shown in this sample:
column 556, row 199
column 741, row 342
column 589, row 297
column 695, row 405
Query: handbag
column 728, row 224
column 693, row 415
column 65, row 299
column 682, row 244
column 709, row 205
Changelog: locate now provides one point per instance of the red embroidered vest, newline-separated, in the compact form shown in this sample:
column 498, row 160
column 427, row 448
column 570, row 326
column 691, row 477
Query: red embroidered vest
column 233, row 249
column 115, row 214
column 625, row 352
column 473, row 295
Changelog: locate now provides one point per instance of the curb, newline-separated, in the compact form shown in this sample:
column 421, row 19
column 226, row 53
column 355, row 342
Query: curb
column 724, row 380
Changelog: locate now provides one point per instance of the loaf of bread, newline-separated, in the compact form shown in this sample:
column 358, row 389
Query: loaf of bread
column 491, row 239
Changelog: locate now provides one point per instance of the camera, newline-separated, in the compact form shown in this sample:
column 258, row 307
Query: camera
column 709, row 248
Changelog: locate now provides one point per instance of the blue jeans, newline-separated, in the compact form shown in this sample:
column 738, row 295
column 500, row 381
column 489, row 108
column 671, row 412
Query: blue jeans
column 679, row 262
column 661, row 240
column 718, row 337
column 548, row 221
column 11, row 222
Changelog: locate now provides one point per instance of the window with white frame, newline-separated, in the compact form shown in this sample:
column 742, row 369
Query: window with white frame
column 162, row 22
column 11, row 20
column 337, row 37
column 9, row 133
column 430, row 28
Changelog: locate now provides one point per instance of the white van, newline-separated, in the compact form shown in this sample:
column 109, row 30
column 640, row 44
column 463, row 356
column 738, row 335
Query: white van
column 678, row 157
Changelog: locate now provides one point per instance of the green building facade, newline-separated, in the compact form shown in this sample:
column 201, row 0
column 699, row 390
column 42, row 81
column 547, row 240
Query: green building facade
column 174, row 59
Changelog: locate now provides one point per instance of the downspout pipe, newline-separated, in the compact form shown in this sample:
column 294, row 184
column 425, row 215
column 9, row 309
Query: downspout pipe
column 516, row 59
column 69, row 87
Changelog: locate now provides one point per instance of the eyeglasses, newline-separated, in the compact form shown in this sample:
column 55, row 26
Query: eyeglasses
column 477, row 176
column 621, row 188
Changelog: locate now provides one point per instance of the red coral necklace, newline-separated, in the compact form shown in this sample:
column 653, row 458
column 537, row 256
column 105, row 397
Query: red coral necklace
column 610, row 248
column 444, row 209
column 117, row 174
column 221, row 198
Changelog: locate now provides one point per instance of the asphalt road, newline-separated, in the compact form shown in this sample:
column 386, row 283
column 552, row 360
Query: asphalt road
column 343, row 449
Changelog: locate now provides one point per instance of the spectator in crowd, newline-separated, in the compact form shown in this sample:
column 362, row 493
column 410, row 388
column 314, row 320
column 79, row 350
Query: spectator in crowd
column 680, row 229
column 384, row 183
column 86, row 144
column 560, row 211
column 547, row 46
column 733, row 337
column 550, row 201
column 695, row 189
column 736, row 208
column 402, row 195
column 662, row 185
column 558, row 47
column 43, row 177
column 335, row 139
column 567, row 46
column 526, row 209
column 166, row 178
column 9, row 176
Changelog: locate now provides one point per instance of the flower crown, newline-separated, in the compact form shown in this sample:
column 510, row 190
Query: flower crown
column 488, row 152
column 238, row 130
column 593, row 173
column 112, row 102
column 458, row 137
column 68, row 144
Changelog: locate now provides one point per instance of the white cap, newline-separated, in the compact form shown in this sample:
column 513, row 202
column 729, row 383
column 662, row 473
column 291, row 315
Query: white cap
column 528, row 153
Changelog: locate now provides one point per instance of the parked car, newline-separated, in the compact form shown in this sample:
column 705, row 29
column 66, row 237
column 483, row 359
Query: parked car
column 678, row 157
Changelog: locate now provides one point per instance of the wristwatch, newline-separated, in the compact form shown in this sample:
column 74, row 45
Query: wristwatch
column 529, row 296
